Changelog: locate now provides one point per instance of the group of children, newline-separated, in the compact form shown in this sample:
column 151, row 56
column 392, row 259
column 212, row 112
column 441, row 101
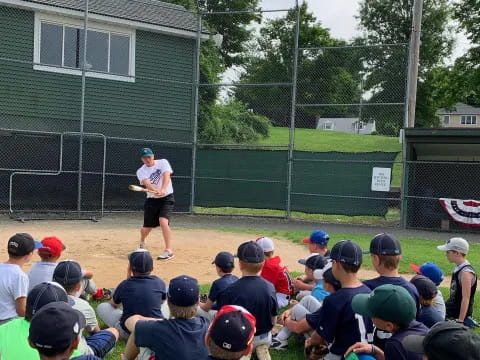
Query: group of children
column 45, row 315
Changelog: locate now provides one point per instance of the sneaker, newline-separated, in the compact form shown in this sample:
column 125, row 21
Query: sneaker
column 166, row 255
column 279, row 344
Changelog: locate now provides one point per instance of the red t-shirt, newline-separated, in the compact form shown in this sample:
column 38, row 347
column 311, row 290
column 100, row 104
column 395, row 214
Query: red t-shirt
column 276, row 273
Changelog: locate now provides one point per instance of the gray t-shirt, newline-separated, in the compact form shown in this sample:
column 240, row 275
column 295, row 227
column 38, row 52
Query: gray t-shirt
column 440, row 304
column 40, row 272
column 13, row 285
column 91, row 321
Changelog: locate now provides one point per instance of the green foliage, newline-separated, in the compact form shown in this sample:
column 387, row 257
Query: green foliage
column 389, row 22
column 271, row 61
column 234, row 123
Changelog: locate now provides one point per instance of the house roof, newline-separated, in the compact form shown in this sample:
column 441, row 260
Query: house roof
column 152, row 12
column 460, row 109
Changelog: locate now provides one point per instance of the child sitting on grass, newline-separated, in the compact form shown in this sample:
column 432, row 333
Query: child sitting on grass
column 224, row 265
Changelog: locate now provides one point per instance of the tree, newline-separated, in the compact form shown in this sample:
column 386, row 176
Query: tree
column 322, row 76
column 389, row 22
column 465, row 75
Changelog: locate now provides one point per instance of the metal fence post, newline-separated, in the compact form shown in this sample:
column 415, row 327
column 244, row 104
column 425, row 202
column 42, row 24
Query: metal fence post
column 82, row 108
column 291, row 142
column 196, row 104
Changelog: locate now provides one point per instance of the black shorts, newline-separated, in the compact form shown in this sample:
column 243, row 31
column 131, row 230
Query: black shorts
column 156, row 208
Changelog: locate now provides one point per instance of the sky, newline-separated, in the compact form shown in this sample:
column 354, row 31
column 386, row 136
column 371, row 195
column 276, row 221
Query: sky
column 339, row 17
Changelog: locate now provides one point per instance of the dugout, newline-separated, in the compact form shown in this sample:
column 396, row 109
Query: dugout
column 440, row 163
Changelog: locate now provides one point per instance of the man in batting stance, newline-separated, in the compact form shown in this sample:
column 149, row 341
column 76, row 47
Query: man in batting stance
column 155, row 176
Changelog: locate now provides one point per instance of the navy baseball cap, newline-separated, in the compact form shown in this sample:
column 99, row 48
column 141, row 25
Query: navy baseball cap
column 224, row 259
column 233, row 328
column 68, row 272
column 348, row 252
column 141, row 261
column 445, row 341
column 56, row 326
column 426, row 287
column 183, row 291
column 250, row 252
column 430, row 270
column 22, row 244
column 316, row 262
column 319, row 237
column 43, row 294
column 385, row 244
column 146, row 152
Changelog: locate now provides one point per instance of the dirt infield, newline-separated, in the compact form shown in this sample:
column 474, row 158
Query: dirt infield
column 103, row 247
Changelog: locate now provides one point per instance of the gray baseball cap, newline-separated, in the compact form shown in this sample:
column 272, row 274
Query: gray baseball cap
column 455, row 244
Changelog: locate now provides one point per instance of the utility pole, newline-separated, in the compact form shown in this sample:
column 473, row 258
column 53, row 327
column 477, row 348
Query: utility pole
column 413, row 62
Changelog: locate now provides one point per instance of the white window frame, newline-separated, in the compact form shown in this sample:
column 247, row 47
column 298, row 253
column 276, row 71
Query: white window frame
column 446, row 117
column 328, row 122
column 469, row 120
column 95, row 26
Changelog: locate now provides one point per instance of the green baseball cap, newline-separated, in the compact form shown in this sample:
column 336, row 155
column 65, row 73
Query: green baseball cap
column 147, row 152
column 387, row 302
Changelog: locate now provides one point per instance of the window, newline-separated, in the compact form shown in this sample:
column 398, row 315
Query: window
column 359, row 125
column 60, row 48
column 446, row 119
column 468, row 120
column 327, row 125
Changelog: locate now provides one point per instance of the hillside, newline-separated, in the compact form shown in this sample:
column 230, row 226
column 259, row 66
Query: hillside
column 324, row 140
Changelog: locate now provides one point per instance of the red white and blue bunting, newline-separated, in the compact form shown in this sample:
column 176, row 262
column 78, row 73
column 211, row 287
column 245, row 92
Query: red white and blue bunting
column 464, row 212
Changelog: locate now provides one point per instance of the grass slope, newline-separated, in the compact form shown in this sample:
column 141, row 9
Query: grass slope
column 415, row 250
column 324, row 140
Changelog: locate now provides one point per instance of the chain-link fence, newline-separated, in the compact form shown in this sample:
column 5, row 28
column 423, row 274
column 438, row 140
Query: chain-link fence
column 267, row 121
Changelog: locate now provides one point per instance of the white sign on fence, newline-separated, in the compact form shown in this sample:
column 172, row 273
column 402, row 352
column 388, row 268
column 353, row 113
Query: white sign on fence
column 381, row 179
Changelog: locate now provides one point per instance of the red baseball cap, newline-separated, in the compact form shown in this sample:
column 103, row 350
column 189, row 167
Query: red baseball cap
column 51, row 246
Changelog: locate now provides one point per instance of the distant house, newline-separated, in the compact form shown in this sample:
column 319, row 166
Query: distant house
column 461, row 115
column 348, row 125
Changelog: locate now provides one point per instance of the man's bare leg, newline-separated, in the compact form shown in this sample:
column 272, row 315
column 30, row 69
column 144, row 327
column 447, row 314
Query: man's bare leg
column 167, row 233
column 144, row 231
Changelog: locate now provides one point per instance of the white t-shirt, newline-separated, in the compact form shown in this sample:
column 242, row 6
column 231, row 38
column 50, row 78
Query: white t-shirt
column 91, row 322
column 40, row 272
column 155, row 175
column 13, row 285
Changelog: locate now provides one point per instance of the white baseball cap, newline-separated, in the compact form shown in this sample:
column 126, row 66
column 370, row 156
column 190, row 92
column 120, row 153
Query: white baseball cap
column 266, row 244
column 455, row 244
column 318, row 273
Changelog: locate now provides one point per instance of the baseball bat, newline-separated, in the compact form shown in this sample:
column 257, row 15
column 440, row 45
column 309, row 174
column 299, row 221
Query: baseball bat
column 139, row 189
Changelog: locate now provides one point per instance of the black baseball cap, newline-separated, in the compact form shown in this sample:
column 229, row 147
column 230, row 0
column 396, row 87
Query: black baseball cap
column 426, row 287
column 56, row 326
column 385, row 244
column 183, row 291
column 224, row 259
column 68, row 272
column 446, row 341
column 43, row 294
column 347, row 252
column 233, row 328
column 22, row 244
column 250, row 252
column 316, row 262
column 330, row 278
column 141, row 261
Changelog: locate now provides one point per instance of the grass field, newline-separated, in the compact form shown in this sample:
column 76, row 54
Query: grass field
column 415, row 250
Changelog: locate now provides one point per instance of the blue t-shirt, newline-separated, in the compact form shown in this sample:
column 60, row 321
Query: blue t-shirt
column 429, row 316
column 400, row 281
column 394, row 349
column 218, row 286
column 318, row 292
column 255, row 294
column 336, row 322
column 140, row 295
column 176, row 339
